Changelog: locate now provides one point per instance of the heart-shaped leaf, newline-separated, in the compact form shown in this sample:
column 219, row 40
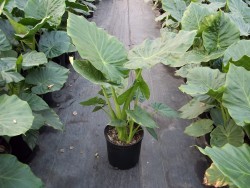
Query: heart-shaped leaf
column 231, row 133
column 16, row 174
column 233, row 162
column 40, row 9
column 15, row 116
column 47, row 79
column 141, row 117
column 55, row 43
column 199, row 128
column 103, row 51
column 236, row 98
column 218, row 32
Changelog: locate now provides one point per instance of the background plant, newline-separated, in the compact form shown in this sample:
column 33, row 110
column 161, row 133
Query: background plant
column 216, row 68
column 31, row 36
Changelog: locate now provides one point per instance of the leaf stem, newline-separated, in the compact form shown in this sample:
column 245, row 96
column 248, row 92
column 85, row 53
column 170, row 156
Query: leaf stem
column 117, row 106
column 112, row 113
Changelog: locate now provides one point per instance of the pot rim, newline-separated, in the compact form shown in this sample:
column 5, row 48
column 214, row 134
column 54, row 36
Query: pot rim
column 124, row 146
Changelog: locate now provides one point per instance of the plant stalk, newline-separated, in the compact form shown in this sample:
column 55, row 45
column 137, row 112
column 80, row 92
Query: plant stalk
column 112, row 113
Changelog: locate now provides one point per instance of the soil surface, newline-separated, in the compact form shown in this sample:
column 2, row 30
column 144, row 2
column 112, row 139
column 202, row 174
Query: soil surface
column 113, row 137
column 77, row 157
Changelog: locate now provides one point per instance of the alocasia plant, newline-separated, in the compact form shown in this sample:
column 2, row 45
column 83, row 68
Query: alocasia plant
column 106, row 62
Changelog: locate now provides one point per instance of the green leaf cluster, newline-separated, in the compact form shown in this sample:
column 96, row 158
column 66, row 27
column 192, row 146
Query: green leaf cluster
column 106, row 62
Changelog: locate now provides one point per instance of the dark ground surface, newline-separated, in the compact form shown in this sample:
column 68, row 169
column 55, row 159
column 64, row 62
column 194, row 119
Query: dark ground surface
column 67, row 159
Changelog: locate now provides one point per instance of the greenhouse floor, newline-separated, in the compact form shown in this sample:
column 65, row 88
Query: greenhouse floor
column 77, row 158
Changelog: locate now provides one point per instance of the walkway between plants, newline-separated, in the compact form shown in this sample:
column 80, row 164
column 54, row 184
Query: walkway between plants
column 77, row 157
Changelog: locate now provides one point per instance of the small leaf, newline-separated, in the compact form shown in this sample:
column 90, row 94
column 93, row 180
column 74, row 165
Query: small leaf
column 193, row 109
column 231, row 133
column 144, row 88
column 88, row 71
column 165, row 110
column 141, row 117
column 93, row 101
column 33, row 58
column 118, row 123
column 152, row 133
column 97, row 108
column 199, row 128
column 52, row 119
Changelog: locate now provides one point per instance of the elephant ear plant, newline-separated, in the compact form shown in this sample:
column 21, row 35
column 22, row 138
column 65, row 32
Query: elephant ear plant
column 106, row 62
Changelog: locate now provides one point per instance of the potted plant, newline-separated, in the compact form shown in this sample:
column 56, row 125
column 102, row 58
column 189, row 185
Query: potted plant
column 105, row 62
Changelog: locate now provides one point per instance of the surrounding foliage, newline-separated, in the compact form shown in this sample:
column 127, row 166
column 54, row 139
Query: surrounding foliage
column 216, row 68
column 32, row 35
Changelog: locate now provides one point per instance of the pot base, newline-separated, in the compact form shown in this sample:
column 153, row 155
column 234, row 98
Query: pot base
column 122, row 157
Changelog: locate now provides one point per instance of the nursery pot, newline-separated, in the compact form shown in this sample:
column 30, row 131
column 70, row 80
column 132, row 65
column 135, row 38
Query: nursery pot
column 123, row 157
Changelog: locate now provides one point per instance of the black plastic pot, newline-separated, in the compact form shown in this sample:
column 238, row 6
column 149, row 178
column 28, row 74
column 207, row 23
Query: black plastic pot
column 123, row 157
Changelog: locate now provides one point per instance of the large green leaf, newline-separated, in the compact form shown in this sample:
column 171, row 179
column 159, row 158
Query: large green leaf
column 15, row 116
column 239, row 21
column 32, row 31
column 52, row 119
column 236, row 51
column 218, row 32
column 162, row 50
column 8, row 30
column 94, row 101
column 47, row 79
column 199, row 128
column 201, row 81
column 9, row 77
column 214, row 6
column 214, row 177
column 7, row 64
column 240, row 8
column 192, row 17
column 55, row 43
column 164, row 110
column 4, row 42
column 236, row 98
column 231, row 133
column 35, row 102
column 141, row 117
column 15, row 174
column 103, row 51
column 193, row 109
column 175, row 8
column 8, row 72
column 88, row 71
column 33, row 58
column 233, row 162
column 40, row 9
column 195, row 57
